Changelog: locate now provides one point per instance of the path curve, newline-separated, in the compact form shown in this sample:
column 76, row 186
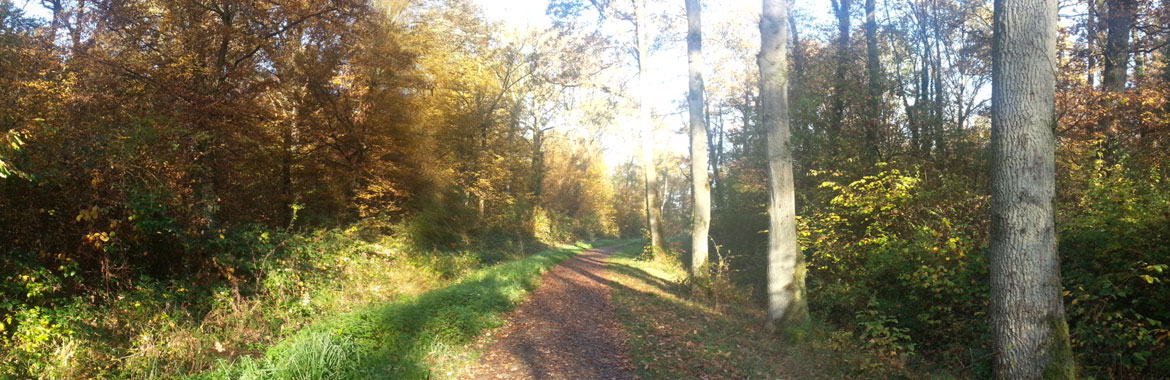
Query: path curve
column 565, row 330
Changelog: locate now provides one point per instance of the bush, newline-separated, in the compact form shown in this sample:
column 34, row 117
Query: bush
column 1115, row 246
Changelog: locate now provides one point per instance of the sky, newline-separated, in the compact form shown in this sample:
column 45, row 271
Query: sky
column 668, row 76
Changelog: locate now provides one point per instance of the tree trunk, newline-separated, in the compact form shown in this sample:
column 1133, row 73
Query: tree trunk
column 1030, row 335
column 1119, row 19
column 873, row 66
column 938, row 124
column 653, row 214
column 841, row 10
column 701, row 212
column 1091, row 26
column 787, row 307
column 288, row 195
column 716, row 155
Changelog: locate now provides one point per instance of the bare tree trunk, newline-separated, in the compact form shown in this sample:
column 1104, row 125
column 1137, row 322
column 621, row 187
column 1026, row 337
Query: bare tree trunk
column 1030, row 334
column 1091, row 27
column 841, row 10
column 787, row 307
column 288, row 195
column 701, row 212
column 1119, row 19
column 873, row 66
column 653, row 213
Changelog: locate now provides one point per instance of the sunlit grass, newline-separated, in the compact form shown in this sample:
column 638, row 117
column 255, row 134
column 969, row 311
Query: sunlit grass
column 398, row 340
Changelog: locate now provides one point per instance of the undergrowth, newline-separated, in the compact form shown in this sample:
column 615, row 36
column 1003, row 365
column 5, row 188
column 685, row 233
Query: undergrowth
column 712, row 329
column 401, row 339
column 264, row 286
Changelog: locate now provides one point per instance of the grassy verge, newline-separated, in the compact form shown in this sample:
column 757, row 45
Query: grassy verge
column 676, row 333
column 401, row 339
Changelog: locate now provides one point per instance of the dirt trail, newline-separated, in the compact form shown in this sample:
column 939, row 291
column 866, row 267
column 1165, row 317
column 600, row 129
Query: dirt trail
column 565, row 330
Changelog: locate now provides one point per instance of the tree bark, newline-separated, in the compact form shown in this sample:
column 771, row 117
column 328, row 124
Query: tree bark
column 701, row 193
column 841, row 10
column 787, row 307
column 1119, row 19
column 1030, row 334
column 653, row 213
column 873, row 66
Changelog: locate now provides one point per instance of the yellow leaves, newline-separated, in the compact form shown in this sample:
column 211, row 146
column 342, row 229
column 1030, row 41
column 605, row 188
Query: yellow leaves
column 88, row 214
column 97, row 238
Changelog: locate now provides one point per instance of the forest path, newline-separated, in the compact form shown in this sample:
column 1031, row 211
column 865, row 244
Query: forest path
column 565, row 330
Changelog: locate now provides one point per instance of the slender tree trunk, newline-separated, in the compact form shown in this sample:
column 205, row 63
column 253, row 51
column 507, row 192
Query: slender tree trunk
column 1030, row 334
column 1091, row 26
column 841, row 10
column 701, row 193
column 717, row 158
column 787, row 307
column 1119, row 19
column 653, row 213
column 798, row 56
column 537, row 160
column 288, row 196
column 938, row 126
column 873, row 66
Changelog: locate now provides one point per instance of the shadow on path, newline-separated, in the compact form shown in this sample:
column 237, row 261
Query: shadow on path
column 566, row 330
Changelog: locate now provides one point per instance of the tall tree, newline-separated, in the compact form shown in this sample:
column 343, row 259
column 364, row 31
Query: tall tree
column 841, row 10
column 1030, row 334
column 701, row 212
column 874, row 69
column 1119, row 19
column 653, row 212
column 787, row 306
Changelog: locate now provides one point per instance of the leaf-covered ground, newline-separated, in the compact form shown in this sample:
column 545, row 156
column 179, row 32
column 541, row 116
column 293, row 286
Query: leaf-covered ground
column 674, row 335
column 565, row 330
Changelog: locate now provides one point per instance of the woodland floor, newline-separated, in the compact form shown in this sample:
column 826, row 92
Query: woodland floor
column 567, row 329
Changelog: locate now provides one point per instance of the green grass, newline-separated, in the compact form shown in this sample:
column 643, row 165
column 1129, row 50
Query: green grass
column 400, row 339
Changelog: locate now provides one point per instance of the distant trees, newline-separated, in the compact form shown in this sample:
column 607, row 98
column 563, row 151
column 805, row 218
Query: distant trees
column 1030, row 335
column 787, row 306
column 138, row 133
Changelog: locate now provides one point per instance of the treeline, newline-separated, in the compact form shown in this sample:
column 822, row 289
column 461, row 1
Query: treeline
column 177, row 146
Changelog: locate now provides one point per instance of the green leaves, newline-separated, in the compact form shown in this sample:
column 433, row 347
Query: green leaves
column 10, row 142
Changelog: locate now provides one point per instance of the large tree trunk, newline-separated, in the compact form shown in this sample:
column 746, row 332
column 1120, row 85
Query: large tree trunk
column 701, row 212
column 1030, row 335
column 787, row 307
column 653, row 213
